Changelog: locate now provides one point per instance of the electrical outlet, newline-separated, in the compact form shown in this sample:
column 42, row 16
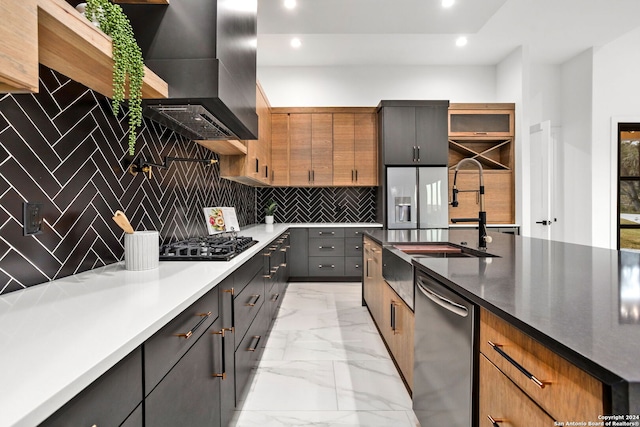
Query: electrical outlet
column 31, row 218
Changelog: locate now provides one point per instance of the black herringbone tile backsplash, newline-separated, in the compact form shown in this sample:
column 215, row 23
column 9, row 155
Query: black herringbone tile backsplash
column 64, row 148
column 335, row 204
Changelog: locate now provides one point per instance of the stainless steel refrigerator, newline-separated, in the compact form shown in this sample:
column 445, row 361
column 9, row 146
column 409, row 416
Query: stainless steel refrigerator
column 416, row 197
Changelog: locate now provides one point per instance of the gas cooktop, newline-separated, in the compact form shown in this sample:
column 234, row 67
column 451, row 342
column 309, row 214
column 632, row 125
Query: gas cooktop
column 218, row 247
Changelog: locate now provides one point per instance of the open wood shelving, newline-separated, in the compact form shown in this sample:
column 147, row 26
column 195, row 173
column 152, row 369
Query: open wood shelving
column 73, row 46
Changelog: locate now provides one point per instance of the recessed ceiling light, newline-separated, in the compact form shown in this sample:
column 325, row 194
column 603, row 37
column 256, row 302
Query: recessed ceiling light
column 295, row 42
column 290, row 4
column 461, row 41
column 447, row 3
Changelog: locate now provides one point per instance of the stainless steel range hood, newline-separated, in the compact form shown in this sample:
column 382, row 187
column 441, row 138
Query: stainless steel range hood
column 206, row 51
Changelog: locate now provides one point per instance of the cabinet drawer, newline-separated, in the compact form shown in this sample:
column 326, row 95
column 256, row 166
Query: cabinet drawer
column 243, row 275
column 190, row 393
column 326, row 246
column 250, row 350
column 108, row 400
column 354, row 232
column 326, row 266
column 567, row 392
column 247, row 304
column 501, row 400
column 353, row 266
column 170, row 343
column 326, row 232
column 353, row 246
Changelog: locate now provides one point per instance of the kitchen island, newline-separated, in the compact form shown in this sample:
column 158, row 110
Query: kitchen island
column 581, row 302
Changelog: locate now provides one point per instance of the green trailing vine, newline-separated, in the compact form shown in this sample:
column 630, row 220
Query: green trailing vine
column 127, row 60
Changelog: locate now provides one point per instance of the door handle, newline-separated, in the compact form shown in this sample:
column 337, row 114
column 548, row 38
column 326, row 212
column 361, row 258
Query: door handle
column 418, row 157
column 443, row 302
column 544, row 222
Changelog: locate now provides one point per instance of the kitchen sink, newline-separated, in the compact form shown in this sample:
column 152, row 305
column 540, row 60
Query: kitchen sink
column 442, row 251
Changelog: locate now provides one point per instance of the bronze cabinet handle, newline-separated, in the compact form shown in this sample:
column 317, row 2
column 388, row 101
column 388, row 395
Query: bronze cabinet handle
column 519, row 367
column 187, row 335
column 252, row 347
column 223, row 374
column 255, row 301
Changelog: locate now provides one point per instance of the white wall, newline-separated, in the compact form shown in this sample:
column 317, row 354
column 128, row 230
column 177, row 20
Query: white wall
column 367, row 86
column 616, row 95
column 544, row 94
column 573, row 154
column 511, row 79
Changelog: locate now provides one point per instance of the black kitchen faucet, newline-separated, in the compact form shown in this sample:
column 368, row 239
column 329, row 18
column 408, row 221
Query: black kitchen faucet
column 483, row 239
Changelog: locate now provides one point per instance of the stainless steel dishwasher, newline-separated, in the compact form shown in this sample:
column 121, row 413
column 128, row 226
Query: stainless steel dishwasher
column 444, row 365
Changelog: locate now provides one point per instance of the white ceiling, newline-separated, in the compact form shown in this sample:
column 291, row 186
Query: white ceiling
column 421, row 32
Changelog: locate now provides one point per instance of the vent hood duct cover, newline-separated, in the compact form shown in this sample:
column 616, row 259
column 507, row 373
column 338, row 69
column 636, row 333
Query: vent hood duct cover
column 205, row 50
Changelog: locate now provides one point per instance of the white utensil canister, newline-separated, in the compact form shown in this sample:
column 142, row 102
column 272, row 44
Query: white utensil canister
column 141, row 250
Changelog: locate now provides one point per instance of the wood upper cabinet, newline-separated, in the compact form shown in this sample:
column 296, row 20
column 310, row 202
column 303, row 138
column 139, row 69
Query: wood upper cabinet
column 280, row 150
column 311, row 148
column 324, row 146
column 343, row 149
column 484, row 132
column 322, row 149
column 19, row 46
column 251, row 167
column 355, row 155
column 299, row 149
column 481, row 120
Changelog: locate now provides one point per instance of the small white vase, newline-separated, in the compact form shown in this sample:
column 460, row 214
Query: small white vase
column 268, row 219
column 82, row 7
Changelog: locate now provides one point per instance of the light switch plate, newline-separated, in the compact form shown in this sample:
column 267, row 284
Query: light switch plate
column 31, row 218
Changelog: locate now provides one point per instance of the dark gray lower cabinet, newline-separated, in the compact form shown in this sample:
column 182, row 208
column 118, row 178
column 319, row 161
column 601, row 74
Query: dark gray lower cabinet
column 189, row 395
column 108, row 401
column 194, row 370
column 228, row 383
column 333, row 253
column 250, row 350
column 299, row 255
column 136, row 419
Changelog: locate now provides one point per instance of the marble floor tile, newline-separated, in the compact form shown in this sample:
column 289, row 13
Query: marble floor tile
column 304, row 319
column 359, row 342
column 325, row 364
column 370, row 385
column 293, row 386
column 323, row 419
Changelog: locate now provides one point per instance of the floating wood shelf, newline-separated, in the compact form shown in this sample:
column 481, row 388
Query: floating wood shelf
column 73, row 46
column 18, row 47
column 224, row 147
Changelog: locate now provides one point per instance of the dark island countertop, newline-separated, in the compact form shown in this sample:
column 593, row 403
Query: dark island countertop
column 580, row 301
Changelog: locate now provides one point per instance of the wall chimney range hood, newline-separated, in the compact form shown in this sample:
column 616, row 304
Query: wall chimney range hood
column 206, row 51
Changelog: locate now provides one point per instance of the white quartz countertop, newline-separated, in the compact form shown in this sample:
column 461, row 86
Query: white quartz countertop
column 58, row 337
column 334, row 225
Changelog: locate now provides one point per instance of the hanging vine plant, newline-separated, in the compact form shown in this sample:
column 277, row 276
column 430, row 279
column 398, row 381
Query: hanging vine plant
column 128, row 65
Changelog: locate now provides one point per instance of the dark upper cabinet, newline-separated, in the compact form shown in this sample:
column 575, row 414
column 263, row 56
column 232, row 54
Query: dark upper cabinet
column 414, row 133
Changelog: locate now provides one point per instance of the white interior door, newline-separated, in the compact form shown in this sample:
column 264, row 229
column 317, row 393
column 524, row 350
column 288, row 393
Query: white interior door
column 541, row 158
